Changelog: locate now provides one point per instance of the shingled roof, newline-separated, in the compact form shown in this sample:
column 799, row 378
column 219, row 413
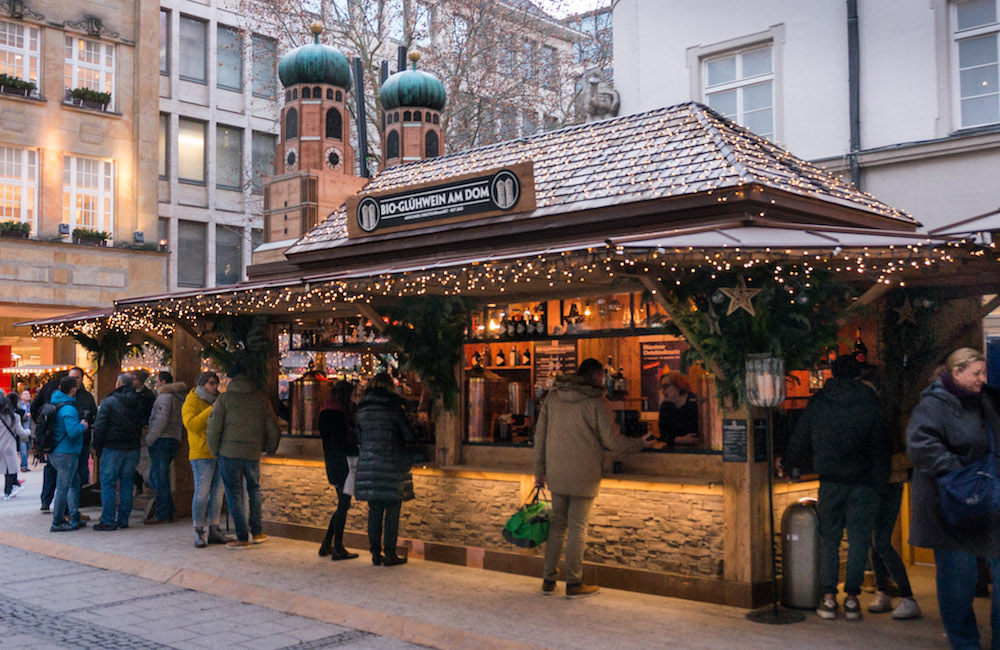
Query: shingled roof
column 682, row 150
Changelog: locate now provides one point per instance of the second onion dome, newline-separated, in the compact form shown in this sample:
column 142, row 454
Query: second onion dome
column 413, row 88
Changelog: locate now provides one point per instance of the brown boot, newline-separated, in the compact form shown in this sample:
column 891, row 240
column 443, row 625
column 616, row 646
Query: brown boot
column 581, row 590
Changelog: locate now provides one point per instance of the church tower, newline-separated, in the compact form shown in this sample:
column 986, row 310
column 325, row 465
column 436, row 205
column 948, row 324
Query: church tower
column 315, row 160
column 412, row 101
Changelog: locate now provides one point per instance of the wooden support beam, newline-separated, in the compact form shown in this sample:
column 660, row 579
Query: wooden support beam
column 190, row 331
column 659, row 295
column 874, row 293
column 369, row 312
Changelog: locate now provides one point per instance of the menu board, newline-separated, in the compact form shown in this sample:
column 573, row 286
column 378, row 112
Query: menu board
column 734, row 441
column 657, row 357
column 553, row 359
column 760, row 441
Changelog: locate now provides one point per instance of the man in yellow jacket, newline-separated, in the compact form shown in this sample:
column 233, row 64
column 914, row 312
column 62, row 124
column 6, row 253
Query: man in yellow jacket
column 575, row 424
column 206, row 505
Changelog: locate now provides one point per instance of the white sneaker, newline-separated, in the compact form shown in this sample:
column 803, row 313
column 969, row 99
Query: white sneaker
column 881, row 602
column 16, row 490
column 6, row 497
column 907, row 608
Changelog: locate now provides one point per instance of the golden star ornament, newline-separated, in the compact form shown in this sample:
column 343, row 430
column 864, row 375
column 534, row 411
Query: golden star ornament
column 741, row 298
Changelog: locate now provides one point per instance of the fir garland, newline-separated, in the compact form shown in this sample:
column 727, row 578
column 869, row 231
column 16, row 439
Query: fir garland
column 243, row 340
column 429, row 331
column 795, row 321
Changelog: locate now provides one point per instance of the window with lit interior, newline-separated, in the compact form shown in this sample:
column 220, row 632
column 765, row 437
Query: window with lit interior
column 89, row 193
column 18, row 185
column 90, row 64
column 19, row 52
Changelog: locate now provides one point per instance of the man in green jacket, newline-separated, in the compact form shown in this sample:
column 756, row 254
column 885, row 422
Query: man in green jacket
column 240, row 428
column 575, row 424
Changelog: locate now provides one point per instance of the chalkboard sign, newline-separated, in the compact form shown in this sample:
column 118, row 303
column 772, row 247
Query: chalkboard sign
column 734, row 441
column 760, row 441
column 554, row 359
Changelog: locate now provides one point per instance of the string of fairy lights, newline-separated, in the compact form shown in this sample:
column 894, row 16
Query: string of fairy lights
column 566, row 273
column 94, row 327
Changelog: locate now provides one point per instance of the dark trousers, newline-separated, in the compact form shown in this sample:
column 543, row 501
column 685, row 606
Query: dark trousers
column 335, row 531
column 389, row 512
column 956, row 589
column 161, row 454
column 851, row 506
column 83, row 466
column 885, row 559
column 48, row 484
column 9, row 481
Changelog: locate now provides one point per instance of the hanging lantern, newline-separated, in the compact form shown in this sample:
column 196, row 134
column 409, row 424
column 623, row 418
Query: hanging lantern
column 765, row 380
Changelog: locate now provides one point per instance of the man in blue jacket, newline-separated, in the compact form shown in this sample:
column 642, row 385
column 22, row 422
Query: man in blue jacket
column 68, row 434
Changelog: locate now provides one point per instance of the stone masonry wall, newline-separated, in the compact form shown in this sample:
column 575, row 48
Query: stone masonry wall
column 658, row 531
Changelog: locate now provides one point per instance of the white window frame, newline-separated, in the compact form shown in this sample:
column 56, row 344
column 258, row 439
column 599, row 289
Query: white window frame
column 19, row 186
column 775, row 37
column 961, row 35
column 86, row 72
column 102, row 172
column 20, row 40
column 740, row 83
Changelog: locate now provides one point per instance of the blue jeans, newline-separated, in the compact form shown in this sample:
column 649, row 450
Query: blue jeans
column 956, row 589
column 234, row 471
column 117, row 470
column 206, row 504
column 67, row 497
column 161, row 454
column 23, row 448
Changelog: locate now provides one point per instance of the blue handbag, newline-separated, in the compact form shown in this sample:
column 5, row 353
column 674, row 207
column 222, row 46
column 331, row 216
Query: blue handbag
column 968, row 496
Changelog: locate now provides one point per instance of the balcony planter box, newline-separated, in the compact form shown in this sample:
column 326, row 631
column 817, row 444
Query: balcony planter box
column 87, row 98
column 16, row 86
column 88, row 237
column 14, row 230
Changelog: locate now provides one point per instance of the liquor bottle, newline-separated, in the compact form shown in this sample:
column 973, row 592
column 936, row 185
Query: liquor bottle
column 620, row 384
column 515, row 356
column 609, row 378
column 500, row 359
column 520, row 327
column 477, row 360
column 860, row 349
column 526, row 358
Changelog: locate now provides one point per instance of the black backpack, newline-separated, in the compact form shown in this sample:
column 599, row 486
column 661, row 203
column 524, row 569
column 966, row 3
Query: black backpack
column 45, row 431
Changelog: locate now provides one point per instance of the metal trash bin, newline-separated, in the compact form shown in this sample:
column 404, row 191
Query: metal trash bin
column 800, row 555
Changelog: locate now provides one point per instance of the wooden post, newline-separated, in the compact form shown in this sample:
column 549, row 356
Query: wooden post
column 746, row 554
column 186, row 366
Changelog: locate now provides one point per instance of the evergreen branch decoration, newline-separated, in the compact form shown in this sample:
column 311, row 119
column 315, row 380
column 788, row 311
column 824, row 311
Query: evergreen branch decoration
column 107, row 347
column 240, row 339
column 796, row 323
column 429, row 331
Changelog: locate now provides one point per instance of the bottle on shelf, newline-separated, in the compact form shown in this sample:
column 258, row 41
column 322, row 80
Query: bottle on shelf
column 609, row 378
column 860, row 349
column 620, row 384
column 500, row 359
column 515, row 356
column 477, row 360
column 526, row 358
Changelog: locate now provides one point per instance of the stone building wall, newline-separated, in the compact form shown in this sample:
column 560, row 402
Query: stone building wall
column 658, row 531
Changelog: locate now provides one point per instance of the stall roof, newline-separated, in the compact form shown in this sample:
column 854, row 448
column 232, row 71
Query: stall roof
column 74, row 317
column 679, row 151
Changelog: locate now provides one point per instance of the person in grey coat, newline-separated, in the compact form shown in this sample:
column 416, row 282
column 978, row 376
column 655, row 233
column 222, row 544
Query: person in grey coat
column 384, row 478
column 164, row 440
column 948, row 429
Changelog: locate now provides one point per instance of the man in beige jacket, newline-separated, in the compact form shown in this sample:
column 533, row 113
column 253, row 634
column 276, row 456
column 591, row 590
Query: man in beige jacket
column 574, row 426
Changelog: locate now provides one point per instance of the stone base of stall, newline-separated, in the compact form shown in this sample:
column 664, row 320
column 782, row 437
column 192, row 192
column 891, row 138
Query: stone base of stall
column 645, row 534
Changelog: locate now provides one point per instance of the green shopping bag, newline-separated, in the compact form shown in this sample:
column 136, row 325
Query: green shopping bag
column 529, row 526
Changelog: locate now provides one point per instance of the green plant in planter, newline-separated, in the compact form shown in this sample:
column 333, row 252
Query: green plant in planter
column 429, row 331
column 91, row 95
column 16, row 83
column 89, row 234
column 15, row 227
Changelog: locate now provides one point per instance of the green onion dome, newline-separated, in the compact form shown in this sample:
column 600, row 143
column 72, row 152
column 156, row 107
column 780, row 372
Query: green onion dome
column 315, row 63
column 414, row 88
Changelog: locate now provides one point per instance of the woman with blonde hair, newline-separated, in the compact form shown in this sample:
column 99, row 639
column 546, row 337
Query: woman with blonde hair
column 954, row 425
column 384, row 478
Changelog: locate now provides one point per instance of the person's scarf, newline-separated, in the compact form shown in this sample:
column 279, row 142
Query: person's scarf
column 206, row 396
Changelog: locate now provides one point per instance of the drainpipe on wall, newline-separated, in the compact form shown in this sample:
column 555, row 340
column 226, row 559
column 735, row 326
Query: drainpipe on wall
column 854, row 89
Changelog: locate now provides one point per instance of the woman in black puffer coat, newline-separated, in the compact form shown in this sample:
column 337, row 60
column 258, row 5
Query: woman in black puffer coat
column 340, row 447
column 383, row 478
column 949, row 429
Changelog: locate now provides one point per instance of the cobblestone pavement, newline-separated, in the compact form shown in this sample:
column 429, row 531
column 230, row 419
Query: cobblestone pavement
column 52, row 603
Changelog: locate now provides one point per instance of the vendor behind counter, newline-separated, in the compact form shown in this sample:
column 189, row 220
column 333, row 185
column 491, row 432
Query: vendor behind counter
column 678, row 412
